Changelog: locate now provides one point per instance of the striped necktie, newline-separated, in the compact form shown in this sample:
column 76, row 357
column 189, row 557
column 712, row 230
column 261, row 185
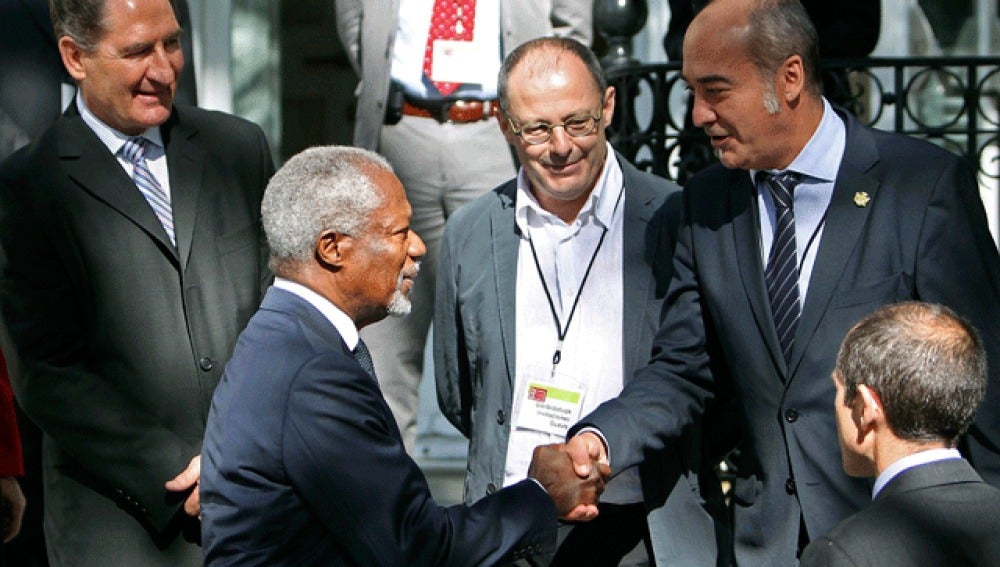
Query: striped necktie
column 134, row 151
column 782, row 271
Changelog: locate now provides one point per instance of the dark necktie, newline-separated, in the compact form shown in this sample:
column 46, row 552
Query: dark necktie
column 782, row 272
column 134, row 151
column 364, row 358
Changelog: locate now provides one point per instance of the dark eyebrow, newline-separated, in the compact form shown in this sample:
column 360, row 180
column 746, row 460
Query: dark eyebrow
column 712, row 79
column 142, row 46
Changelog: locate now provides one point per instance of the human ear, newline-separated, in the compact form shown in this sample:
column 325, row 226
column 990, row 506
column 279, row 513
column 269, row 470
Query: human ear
column 72, row 57
column 332, row 248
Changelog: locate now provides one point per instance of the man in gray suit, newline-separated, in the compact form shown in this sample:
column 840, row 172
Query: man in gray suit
column 426, row 102
column 547, row 299
column 131, row 256
column 909, row 378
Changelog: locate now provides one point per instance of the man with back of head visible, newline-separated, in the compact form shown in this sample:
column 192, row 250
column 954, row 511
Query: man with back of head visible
column 303, row 461
column 567, row 260
column 131, row 256
column 811, row 221
column 909, row 378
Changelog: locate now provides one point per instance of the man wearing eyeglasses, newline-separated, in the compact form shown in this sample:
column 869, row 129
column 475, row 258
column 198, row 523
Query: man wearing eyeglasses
column 546, row 287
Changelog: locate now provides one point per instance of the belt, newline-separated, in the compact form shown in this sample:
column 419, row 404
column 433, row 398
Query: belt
column 451, row 110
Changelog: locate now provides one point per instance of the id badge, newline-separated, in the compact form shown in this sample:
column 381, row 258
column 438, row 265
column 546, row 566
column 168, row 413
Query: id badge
column 550, row 406
column 457, row 61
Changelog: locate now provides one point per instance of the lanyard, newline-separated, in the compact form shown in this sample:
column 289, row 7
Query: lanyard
column 560, row 330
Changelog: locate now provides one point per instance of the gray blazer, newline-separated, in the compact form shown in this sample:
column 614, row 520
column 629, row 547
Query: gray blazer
column 369, row 34
column 475, row 338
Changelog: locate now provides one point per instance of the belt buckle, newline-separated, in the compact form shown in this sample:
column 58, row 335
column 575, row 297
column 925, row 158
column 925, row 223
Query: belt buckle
column 461, row 105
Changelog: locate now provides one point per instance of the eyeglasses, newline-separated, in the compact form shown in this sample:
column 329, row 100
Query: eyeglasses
column 539, row 133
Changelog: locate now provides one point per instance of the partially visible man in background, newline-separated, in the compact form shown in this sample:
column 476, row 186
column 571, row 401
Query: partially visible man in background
column 909, row 378
column 426, row 102
column 131, row 256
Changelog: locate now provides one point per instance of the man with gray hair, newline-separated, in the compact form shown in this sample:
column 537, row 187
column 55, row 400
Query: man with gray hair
column 909, row 378
column 303, row 461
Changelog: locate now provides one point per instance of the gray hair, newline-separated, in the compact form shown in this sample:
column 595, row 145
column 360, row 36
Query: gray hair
column 321, row 188
column 779, row 29
column 84, row 21
column 926, row 364
column 581, row 51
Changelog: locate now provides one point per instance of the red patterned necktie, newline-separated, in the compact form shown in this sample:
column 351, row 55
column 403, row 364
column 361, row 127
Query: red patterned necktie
column 453, row 20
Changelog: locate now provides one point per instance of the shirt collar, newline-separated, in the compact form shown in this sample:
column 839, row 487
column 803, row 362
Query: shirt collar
column 344, row 325
column 112, row 138
column 820, row 157
column 910, row 461
column 600, row 205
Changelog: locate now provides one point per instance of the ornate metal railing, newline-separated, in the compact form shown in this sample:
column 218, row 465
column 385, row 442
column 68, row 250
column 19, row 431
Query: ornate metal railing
column 954, row 102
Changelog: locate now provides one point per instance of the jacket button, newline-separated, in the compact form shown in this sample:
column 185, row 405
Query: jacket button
column 791, row 415
column 206, row 363
column 491, row 488
column 790, row 486
column 500, row 417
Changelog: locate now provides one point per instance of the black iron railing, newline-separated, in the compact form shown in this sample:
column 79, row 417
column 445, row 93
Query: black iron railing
column 954, row 102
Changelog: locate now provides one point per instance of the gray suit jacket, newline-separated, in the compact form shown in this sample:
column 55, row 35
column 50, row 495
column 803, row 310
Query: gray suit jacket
column 922, row 234
column 940, row 513
column 368, row 32
column 115, row 339
column 475, row 340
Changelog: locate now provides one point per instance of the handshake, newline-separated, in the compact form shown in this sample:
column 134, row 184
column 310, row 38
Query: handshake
column 574, row 475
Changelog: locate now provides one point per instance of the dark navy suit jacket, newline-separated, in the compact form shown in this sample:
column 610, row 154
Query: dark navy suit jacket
column 303, row 465
column 905, row 222
column 940, row 513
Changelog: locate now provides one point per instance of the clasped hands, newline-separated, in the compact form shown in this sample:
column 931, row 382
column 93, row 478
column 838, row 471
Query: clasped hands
column 574, row 474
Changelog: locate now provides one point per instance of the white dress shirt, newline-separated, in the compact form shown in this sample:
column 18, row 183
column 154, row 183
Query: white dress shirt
column 592, row 350
column 411, row 40
column 344, row 325
column 156, row 157
column 818, row 162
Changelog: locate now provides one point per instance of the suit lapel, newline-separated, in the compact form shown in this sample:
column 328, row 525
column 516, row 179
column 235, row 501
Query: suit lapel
column 842, row 228
column 506, row 241
column 746, row 232
column 185, row 161
column 284, row 301
column 89, row 163
column 638, row 201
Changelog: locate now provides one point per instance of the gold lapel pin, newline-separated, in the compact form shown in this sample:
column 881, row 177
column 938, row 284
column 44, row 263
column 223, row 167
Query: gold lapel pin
column 861, row 199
